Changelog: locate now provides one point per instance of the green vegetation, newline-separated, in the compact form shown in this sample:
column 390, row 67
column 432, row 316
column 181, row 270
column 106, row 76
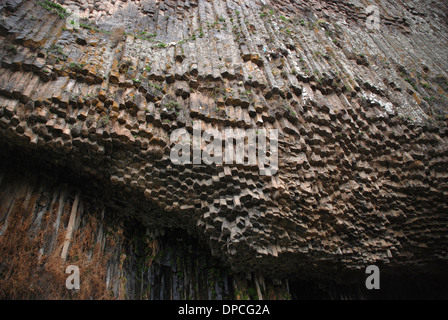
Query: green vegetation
column 290, row 110
column 321, row 22
column 76, row 66
column 429, row 99
column 170, row 105
column 11, row 48
column 104, row 121
column 54, row 7
column 57, row 51
column 155, row 86
column 90, row 120
column 411, row 82
column 144, row 36
column 252, row 293
column 87, row 26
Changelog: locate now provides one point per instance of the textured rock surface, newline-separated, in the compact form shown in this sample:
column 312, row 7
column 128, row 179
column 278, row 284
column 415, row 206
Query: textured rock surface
column 116, row 256
column 361, row 113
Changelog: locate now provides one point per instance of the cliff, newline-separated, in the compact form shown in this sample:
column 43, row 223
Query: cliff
column 89, row 100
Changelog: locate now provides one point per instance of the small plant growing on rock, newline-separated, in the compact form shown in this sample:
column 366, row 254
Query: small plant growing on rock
column 54, row 7
column 155, row 86
column 76, row 66
column 172, row 105
column 11, row 48
column 104, row 121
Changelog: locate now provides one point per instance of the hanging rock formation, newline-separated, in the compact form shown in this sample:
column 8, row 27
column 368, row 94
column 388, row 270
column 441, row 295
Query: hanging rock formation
column 86, row 116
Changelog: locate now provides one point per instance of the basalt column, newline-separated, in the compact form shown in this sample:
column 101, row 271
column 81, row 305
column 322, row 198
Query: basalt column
column 91, row 93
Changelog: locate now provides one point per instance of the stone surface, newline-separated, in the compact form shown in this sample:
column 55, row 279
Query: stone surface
column 361, row 113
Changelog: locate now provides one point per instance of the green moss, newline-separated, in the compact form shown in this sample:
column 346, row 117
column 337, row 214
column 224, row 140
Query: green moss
column 172, row 105
column 54, row 7
column 144, row 36
column 104, row 121
column 252, row 294
column 155, row 86
column 57, row 51
column 76, row 66
column 11, row 48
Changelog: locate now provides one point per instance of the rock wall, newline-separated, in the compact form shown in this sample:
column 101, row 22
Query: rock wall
column 361, row 113
column 51, row 220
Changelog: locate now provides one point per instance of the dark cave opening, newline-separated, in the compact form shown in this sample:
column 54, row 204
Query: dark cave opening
column 393, row 286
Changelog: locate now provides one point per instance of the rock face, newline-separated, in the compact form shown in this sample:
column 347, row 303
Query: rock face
column 361, row 114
